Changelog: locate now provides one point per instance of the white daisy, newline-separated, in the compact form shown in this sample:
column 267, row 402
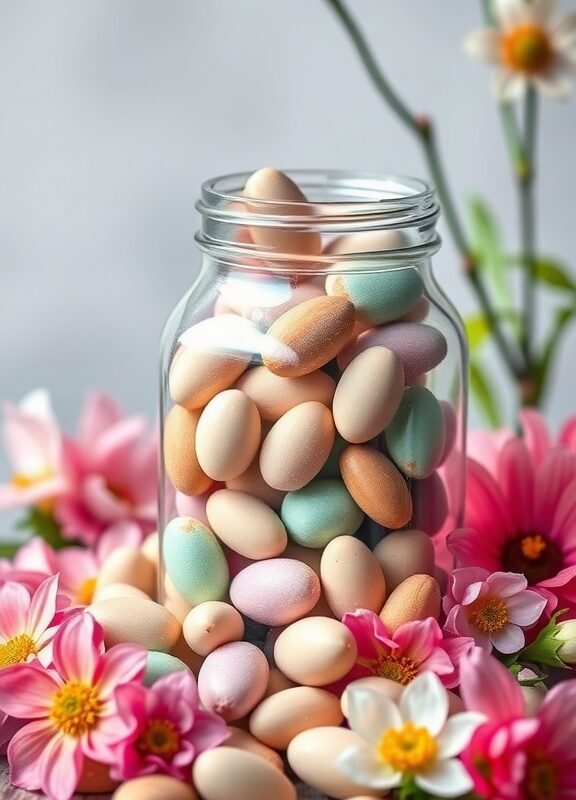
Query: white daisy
column 527, row 47
column 414, row 740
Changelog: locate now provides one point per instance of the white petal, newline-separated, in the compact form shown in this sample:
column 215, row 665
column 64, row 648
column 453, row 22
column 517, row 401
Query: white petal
column 553, row 85
column 370, row 713
column 484, row 43
column 446, row 779
column 508, row 640
column 425, row 703
column 457, row 733
column 508, row 85
column 510, row 13
column 38, row 404
column 542, row 10
column 525, row 608
column 362, row 766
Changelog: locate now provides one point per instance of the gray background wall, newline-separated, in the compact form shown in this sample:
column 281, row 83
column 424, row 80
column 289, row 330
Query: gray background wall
column 113, row 111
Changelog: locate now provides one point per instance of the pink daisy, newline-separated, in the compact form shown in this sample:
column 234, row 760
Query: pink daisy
column 494, row 608
column 522, row 519
column 414, row 648
column 168, row 728
column 72, row 707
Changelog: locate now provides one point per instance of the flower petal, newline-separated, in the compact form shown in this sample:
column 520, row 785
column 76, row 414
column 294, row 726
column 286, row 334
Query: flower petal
column 445, row 779
column 14, row 605
column 525, row 608
column 510, row 13
column 100, row 413
column 370, row 713
column 554, row 84
column 76, row 652
column 486, row 507
column 510, row 639
column 425, row 703
column 121, row 664
column 61, row 766
column 25, row 751
column 457, row 732
column 516, row 478
column 43, row 607
column 508, row 86
column 535, row 433
column 484, row 43
column 479, row 670
column 26, row 690
column 363, row 767
column 543, row 10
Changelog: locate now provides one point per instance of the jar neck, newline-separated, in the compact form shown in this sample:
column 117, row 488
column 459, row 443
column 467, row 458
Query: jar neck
column 373, row 221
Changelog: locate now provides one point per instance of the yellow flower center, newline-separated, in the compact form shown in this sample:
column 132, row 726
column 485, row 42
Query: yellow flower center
column 527, row 49
column 488, row 614
column 17, row 650
column 533, row 546
column 85, row 593
column 408, row 749
column 21, row 480
column 396, row 668
column 160, row 738
column 540, row 781
column 75, row 708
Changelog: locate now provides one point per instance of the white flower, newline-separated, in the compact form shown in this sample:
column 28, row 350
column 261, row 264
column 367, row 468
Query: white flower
column 527, row 47
column 411, row 740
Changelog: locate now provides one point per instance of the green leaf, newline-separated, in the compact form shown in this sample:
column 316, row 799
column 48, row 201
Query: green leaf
column 43, row 524
column 485, row 394
column 562, row 319
column 9, row 549
column 477, row 330
column 488, row 248
column 550, row 272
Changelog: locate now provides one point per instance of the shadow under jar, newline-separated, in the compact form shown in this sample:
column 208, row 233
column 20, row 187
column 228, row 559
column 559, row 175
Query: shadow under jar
column 313, row 399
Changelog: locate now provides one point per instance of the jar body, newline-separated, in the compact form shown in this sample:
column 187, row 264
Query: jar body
column 307, row 404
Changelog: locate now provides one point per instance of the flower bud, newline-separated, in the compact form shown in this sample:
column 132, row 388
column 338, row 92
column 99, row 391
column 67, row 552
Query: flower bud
column 566, row 634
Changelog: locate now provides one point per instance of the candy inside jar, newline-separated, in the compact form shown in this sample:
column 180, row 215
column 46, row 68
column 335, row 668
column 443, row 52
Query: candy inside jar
column 313, row 404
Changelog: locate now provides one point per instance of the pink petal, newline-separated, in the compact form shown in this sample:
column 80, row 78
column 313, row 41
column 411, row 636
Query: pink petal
column 76, row 566
column 180, row 686
column 61, row 765
column 76, row 521
column 487, row 686
column 473, row 548
column 209, row 731
column 516, row 478
column 14, row 605
column 25, row 753
column 76, row 652
column 123, row 533
column 461, row 579
column 115, row 448
column 43, row 607
column 32, row 444
column 485, row 447
column 555, row 474
column 417, row 639
column 101, row 502
column 36, row 555
column 109, row 732
column 26, row 690
column 100, row 413
column 535, row 433
column 486, row 507
column 473, row 592
column 508, row 640
column 525, row 608
column 121, row 664
column 506, row 584
column 567, row 435
column 558, row 719
column 14, row 497
column 369, row 632
column 563, row 527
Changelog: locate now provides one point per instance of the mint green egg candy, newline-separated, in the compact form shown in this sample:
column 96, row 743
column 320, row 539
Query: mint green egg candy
column 319, row 512
column 194, row 561
column 415, row 438
column 160, row 664
column 378, row 297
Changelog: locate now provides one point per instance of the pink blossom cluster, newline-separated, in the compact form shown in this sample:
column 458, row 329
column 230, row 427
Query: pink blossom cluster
column 65, row 700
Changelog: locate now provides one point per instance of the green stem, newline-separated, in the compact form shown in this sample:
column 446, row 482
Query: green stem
column 423, row 130
column 9, row 549
column 527, row 225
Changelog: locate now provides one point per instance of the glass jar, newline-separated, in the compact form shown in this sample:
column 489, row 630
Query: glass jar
column 313, row 386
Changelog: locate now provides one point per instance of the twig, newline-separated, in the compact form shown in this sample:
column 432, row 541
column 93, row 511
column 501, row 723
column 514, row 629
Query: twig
column 527, row 225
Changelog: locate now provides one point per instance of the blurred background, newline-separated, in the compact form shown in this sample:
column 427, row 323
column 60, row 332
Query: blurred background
column 114, row 111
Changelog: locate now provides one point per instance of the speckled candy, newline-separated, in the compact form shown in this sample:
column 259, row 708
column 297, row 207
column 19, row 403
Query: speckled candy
column 233, row 679
column 377, row 296
column 319, row 512
column 416, row 436
column 194, row 560
column 276, row 591
column 158, row 665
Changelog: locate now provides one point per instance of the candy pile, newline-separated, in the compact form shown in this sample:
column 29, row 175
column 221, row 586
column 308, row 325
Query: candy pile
column 302, row 447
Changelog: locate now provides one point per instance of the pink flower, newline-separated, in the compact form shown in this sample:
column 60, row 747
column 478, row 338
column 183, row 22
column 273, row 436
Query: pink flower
column 513, row 757
column 33, row 443
column 72, row 707
column 112, row 468
column 493, row 609
column 521, row 517
column 168, row 728
column 414, row 648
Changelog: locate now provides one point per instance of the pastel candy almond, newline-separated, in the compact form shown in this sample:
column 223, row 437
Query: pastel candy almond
column 242, row 740
column 232, row 680
column 273, row 186
column 319, row 512
column 196, row 377
column 153, row 787
column 247, row 525
column 417, row 597
column 419, row 347
column 417, row 434
column 404, row 553
column 377, row 295
column 430, row 503
column 228, row 435
column 297, row 446
column 251, row 482
column 274, row 396
column 210, row 625
column 128, row 565
column 315, row 651
column 281, row 717
column 276, row 591
column 131, row 619
column 194, row 561
column 180, row 458
column 368, row 394
column 159, row 664
column 351, row 577
column 376, row 485
column 308, row 336
column 230, row 773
